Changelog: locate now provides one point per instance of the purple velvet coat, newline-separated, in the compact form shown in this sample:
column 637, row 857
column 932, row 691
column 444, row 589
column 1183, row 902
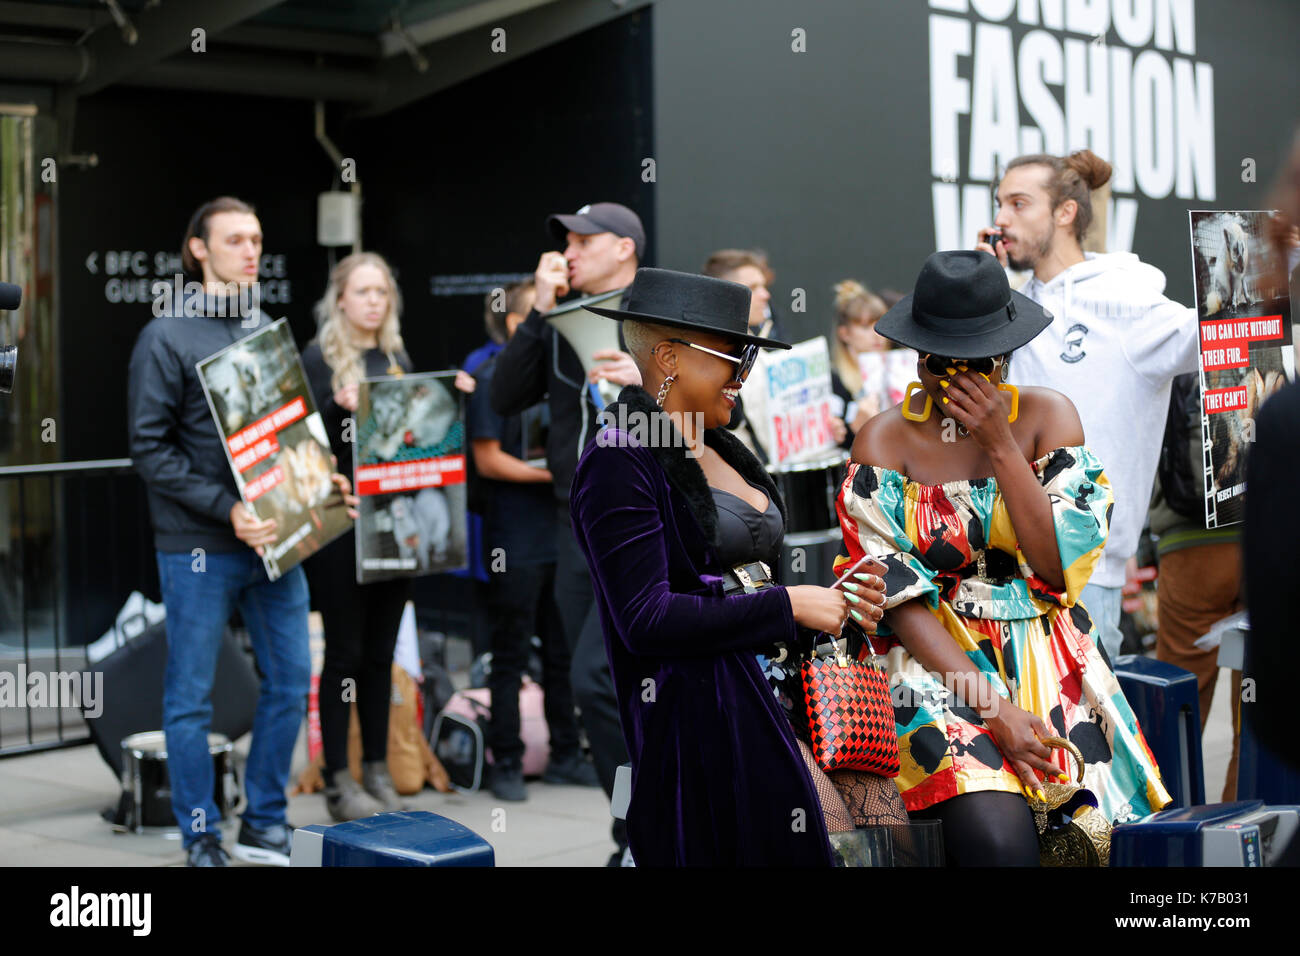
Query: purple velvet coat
column 717, row 779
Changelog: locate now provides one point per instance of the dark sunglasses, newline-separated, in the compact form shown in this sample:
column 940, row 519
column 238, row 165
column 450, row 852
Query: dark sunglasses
column 744, row 361
column 938, row 365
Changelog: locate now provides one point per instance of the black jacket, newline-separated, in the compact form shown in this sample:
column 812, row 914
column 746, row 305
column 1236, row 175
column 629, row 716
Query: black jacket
column 173, row 437
column 1271, row 567
column 841, row 392
column 538, row 363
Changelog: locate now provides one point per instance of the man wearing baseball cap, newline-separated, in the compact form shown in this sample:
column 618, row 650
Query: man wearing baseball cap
column 603, row 244
column 594, row 219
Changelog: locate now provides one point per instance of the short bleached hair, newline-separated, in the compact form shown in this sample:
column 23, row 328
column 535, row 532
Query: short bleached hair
column 642, row 337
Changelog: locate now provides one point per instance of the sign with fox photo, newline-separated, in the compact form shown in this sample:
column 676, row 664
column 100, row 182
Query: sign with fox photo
column 276, row 444
column 1244, row 310
column 409, row 472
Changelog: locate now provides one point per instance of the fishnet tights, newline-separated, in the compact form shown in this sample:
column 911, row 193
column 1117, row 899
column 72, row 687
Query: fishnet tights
column 871, row 800
column 852, row 798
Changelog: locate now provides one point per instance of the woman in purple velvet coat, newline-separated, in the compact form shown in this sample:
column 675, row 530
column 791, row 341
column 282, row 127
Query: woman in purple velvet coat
column 664, row 502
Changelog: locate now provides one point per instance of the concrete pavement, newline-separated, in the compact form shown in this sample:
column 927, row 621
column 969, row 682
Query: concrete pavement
column 50, row 805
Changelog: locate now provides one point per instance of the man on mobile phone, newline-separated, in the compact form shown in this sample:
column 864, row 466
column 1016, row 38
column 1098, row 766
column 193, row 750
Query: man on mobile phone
column 603, row 243
column 1112, row 326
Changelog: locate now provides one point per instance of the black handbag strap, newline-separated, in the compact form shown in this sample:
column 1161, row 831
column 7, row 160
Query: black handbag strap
column 867, row 640
column 824, row 638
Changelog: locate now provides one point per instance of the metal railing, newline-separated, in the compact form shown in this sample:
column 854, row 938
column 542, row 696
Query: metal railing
column 73, row 532
column 78, row 540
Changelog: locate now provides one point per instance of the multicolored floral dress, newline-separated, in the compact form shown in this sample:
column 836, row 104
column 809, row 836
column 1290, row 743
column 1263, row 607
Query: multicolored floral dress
column 953, row 546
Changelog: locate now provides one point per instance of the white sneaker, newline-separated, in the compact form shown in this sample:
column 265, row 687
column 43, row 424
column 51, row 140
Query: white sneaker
column 269, row 847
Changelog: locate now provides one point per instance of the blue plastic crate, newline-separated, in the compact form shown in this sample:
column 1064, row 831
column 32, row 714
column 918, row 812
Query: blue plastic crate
column 1167, row 705
column 410, row 838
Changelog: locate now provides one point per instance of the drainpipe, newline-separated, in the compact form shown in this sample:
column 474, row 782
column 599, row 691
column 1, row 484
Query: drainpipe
column 337, row 158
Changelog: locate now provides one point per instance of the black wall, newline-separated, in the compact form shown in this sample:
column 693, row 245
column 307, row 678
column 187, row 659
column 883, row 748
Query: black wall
column 824, row 157
column 459, row 183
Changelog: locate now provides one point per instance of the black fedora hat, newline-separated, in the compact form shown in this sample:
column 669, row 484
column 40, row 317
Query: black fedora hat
column 685, row 300
column 963, row 307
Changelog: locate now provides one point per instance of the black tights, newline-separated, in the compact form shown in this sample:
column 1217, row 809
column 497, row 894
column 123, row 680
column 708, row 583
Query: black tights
column 360, row 622
column 985, row 828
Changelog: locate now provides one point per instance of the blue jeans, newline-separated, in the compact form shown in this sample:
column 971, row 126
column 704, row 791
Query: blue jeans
column 198, row 605
column 1103, row 606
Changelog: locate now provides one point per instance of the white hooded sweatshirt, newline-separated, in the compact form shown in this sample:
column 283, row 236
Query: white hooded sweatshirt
column 1113, row 348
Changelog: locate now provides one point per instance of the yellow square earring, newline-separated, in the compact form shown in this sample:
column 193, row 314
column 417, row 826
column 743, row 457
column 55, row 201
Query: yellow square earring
column 1015, row 400
column 1010, row 389
column 910, row 415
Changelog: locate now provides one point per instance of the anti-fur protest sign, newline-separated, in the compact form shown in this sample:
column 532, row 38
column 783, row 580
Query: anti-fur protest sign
column 409, row 471
column 1246, row 346
column 275, row 442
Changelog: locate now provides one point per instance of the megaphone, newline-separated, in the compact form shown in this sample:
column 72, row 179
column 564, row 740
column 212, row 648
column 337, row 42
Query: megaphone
column 588, row 333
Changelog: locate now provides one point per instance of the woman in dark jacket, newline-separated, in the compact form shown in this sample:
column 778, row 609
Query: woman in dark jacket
column 360, row 337
column 679, row 523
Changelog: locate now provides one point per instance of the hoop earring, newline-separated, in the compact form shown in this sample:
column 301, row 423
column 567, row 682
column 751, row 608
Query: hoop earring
column 1005, row 386
column 1015, row 400
column 664, row 389
column 910, row 415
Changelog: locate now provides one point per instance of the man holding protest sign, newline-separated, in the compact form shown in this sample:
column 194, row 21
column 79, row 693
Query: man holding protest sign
column 209, row 548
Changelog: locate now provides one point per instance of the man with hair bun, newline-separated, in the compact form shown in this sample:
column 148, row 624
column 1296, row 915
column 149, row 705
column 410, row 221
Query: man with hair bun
column 1114, row 346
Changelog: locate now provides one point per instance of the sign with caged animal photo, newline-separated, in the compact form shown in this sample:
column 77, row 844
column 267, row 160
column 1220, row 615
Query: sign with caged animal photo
column 275, row 442
column 1247, row 352
column 409, row 471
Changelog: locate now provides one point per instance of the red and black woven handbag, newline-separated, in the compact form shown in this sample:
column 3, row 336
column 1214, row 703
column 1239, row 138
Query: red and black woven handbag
column 850, row 714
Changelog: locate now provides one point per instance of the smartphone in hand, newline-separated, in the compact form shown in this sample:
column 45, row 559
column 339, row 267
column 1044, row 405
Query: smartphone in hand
column 865, row 565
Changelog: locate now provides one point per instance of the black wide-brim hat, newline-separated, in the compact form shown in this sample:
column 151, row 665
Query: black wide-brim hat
column 683, row 300
column 963, row 307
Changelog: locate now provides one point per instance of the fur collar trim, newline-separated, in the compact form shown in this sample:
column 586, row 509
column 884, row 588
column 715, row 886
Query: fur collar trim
column 683, row 471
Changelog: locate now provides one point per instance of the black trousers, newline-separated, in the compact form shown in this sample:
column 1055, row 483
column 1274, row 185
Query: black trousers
column 521, row 603
column 593, row 685
column 361, row 623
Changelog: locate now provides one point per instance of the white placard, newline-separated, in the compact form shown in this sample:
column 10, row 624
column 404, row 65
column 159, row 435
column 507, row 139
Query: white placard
column 797, row 409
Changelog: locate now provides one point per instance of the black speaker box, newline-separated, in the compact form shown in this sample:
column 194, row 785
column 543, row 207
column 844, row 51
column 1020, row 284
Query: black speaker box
column 131, row 699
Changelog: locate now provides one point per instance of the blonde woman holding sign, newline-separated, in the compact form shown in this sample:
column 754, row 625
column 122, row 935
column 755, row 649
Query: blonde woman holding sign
column 359, row 337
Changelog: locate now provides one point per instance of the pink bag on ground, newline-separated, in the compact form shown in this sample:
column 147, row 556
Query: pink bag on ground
column 476, row 705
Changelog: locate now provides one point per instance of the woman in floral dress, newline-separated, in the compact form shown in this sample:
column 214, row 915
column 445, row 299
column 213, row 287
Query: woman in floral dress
column 990, row 516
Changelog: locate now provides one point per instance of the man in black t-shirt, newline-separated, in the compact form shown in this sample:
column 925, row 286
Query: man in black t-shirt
column 519, row 554
column 603, row 244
